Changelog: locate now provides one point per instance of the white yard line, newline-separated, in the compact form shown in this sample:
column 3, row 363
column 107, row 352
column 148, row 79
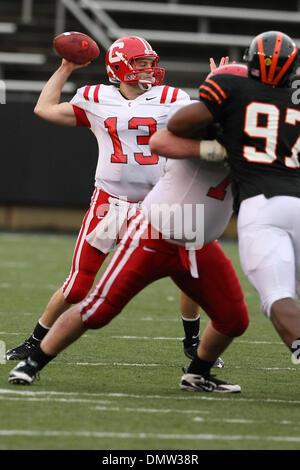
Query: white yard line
column 14, row 264
column 178, row 339
column 51, row 399
column 101, row 405
column 7, row 333
column 127, row 435
column 196, row 418
column 183, row 396
column 159, row 338
column 147, row 410
column 147, row 337
column 122, row 364
column 199, row 419
column 127, row 364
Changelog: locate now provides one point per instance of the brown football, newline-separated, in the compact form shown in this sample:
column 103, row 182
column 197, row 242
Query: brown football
column 76, row 47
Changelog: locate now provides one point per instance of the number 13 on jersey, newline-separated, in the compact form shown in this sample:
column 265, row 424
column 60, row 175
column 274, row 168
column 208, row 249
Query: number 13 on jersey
column 118, row 155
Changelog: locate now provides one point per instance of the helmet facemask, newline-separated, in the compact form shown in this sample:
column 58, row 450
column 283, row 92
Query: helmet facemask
column 154, row 74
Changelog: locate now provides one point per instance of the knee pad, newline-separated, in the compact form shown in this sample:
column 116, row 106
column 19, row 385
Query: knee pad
column 96, row 317
column 235, row 322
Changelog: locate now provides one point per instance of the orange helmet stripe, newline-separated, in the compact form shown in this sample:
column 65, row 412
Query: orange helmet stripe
column 286, row 66
column 275, row 57
column 261, row 56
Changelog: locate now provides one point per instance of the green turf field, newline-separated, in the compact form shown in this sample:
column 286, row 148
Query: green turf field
column 117, row 388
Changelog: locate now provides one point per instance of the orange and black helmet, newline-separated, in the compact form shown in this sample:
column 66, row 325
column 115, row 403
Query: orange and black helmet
column 272, row 58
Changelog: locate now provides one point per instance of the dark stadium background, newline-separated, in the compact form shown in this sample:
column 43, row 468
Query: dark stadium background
column 47, row 171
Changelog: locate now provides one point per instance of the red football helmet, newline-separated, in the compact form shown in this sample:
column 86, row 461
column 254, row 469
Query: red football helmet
column 234, row 69
column 121, row 66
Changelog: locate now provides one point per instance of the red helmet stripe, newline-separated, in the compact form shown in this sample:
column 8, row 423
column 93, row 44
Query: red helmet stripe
column 145, row 43
column 275, row 57
column 261, row 56
column 285, row 67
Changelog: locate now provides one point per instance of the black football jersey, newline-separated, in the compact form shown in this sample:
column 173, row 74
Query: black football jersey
column 261, row 127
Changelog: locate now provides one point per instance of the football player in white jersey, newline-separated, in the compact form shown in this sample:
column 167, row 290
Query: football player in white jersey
column 173, row 234
column 122, row 116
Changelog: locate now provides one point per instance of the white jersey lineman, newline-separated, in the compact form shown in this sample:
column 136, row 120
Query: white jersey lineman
column 192, row 202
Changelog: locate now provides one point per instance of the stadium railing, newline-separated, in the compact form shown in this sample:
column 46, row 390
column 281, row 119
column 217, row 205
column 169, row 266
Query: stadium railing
column 35, row 86
column 8, row 28
column 95, row 16
column 22, row 58
column 203, row 13
column 75, row 9
column 200, row 11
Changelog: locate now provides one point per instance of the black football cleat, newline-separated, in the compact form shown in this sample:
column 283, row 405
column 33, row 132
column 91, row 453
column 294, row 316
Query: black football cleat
column 24, row 373
column 23, row 350
column 209, row 383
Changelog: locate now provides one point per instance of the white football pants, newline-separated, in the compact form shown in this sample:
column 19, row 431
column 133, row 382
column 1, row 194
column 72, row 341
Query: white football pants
column 269, row 247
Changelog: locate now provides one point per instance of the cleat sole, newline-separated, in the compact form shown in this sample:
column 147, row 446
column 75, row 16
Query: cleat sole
column 16, row 381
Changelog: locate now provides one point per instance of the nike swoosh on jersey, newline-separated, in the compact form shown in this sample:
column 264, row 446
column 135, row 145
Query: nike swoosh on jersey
column 151, row 98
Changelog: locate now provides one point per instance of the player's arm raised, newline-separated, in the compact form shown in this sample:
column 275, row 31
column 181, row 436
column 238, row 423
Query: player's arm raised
column 48, row 106
column 188, row 120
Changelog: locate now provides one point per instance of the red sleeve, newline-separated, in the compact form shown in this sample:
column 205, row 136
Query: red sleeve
column 81, row 117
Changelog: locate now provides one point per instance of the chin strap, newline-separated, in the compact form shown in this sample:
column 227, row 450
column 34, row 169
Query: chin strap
column 145, row 86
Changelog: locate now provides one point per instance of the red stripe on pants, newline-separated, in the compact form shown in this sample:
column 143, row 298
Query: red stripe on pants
column 87, row 260
column 137, row 264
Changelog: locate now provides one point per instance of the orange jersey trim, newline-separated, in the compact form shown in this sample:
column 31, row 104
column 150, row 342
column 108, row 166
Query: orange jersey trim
column 216, row 97
column 222, row 92
column 204, row 95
